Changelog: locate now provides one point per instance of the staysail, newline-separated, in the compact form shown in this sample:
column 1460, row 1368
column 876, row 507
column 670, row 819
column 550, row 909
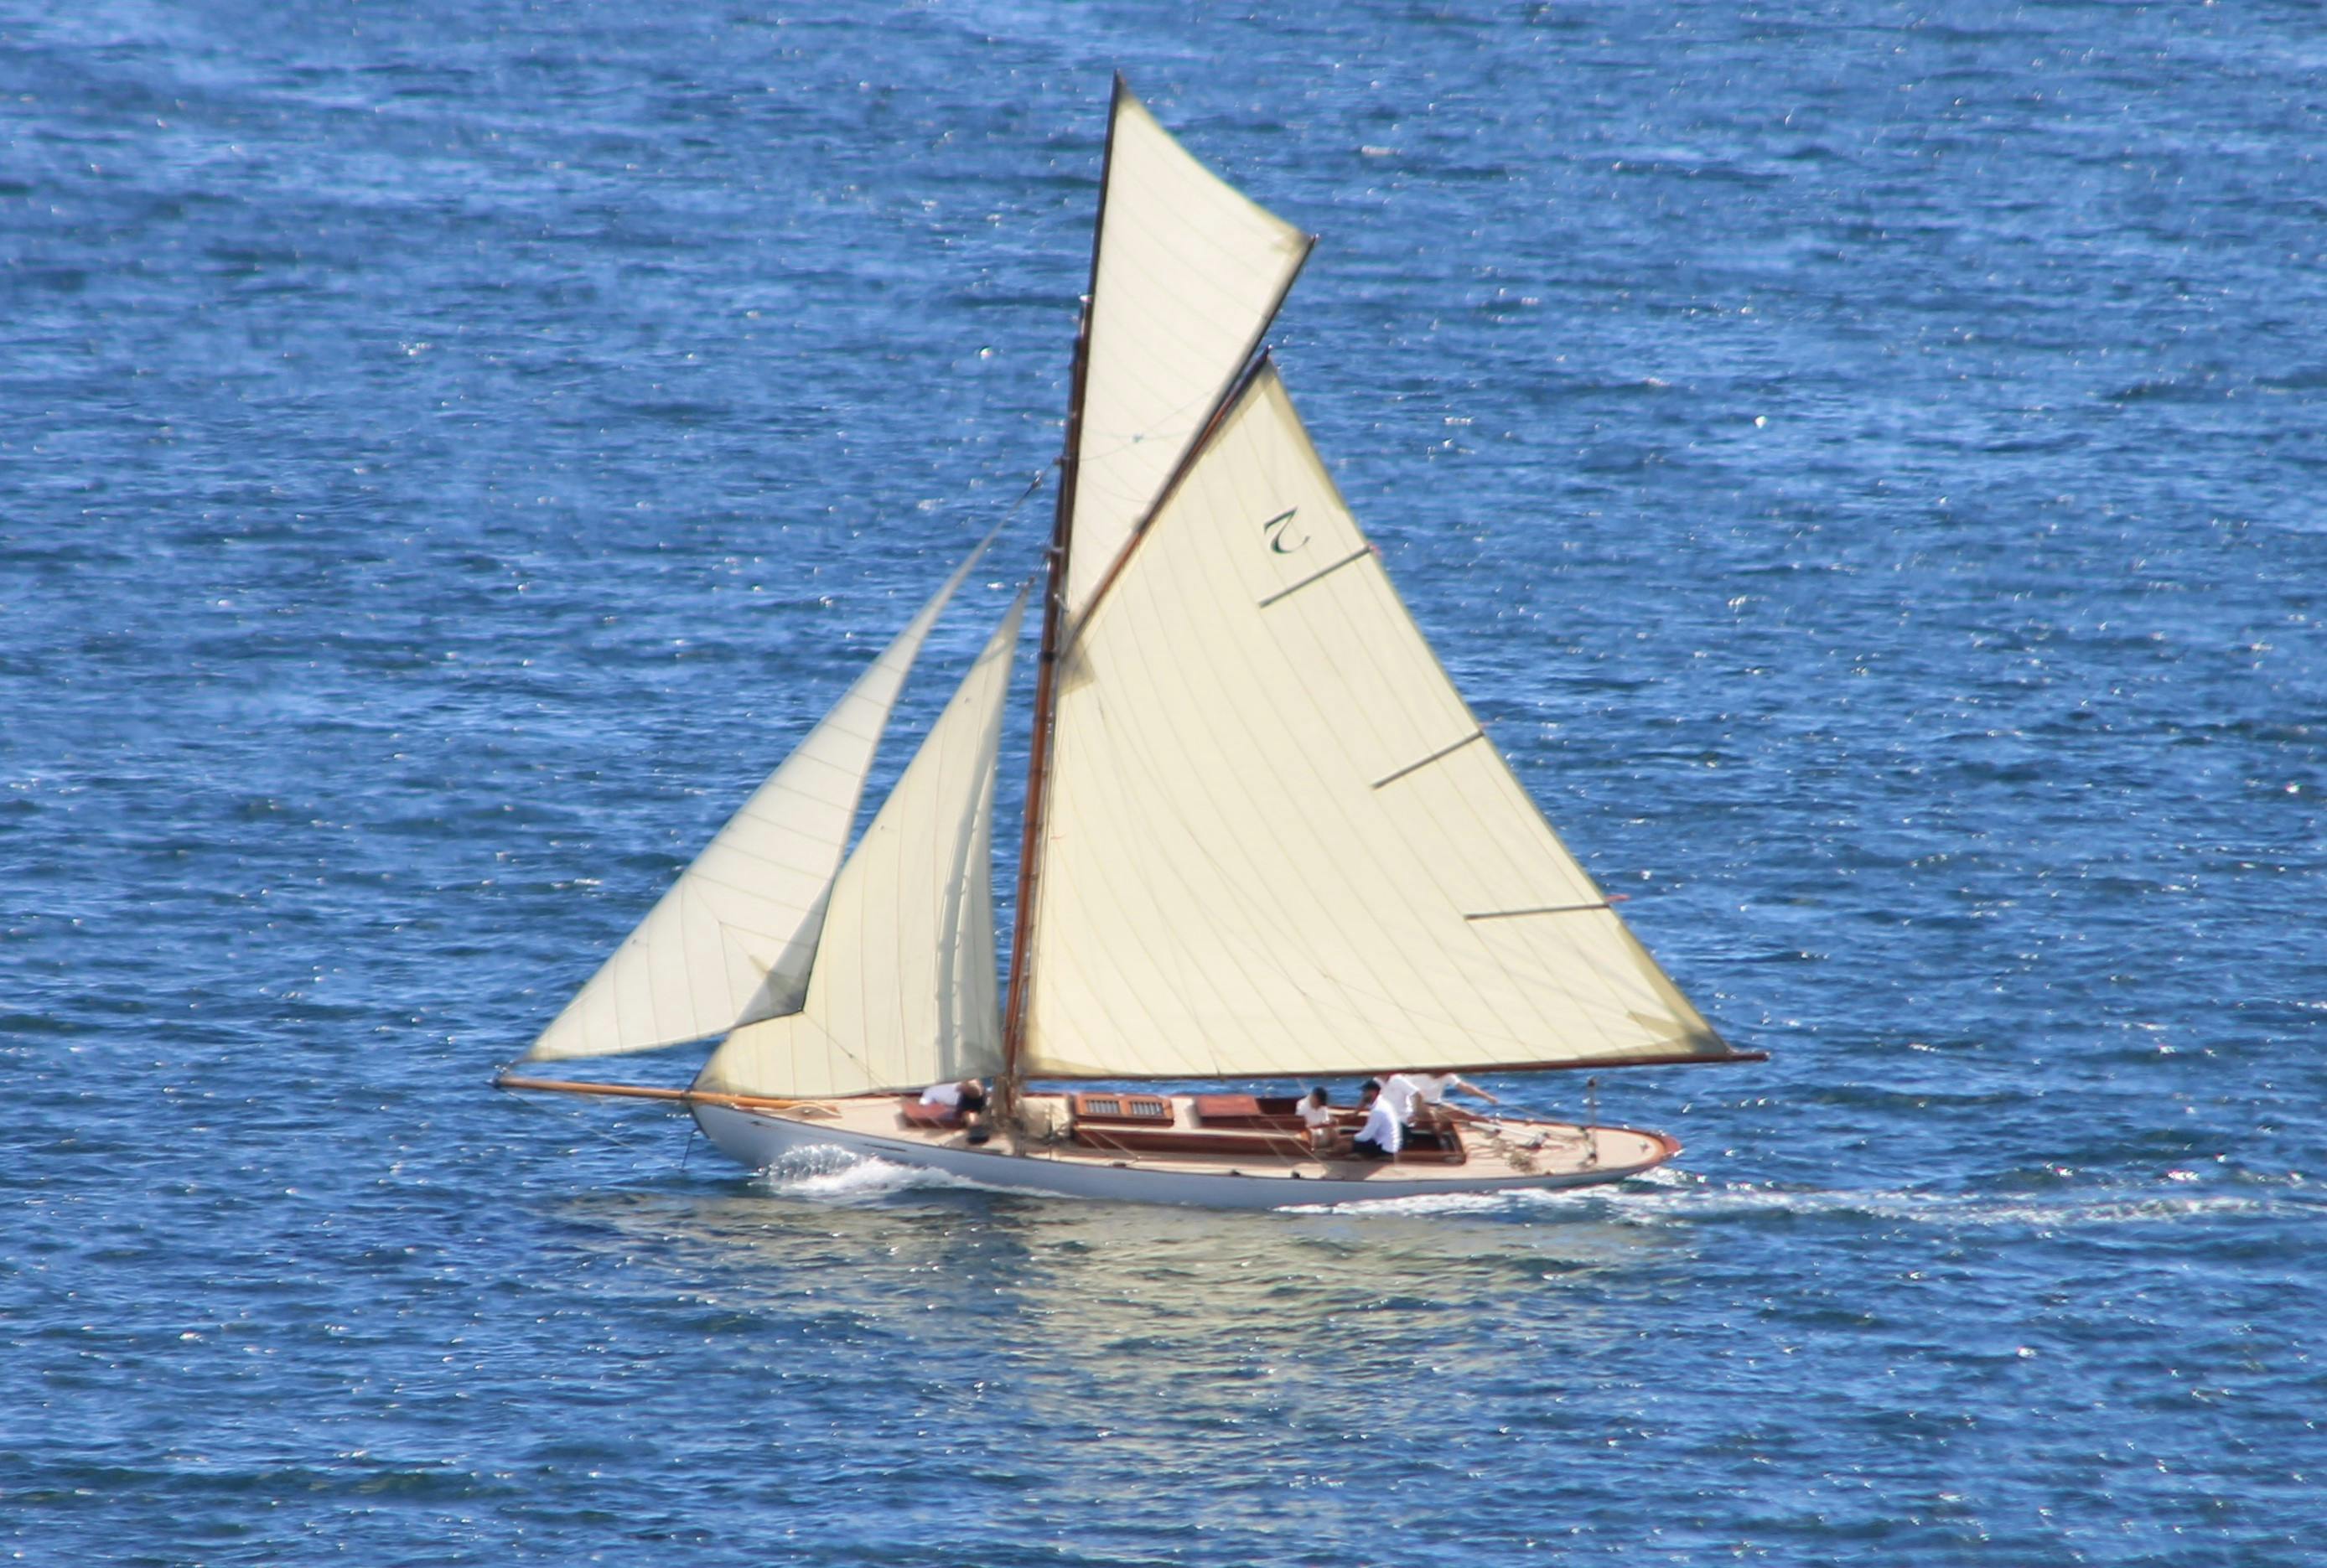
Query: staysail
column 1186, row 272
column 1278, row 841
column 733, row 939
column 903, row 991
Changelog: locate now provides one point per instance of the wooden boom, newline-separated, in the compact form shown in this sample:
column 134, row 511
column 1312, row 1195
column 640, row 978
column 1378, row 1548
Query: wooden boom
column 641, row 1092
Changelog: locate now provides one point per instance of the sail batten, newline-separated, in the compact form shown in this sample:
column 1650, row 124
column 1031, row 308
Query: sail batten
column 1418, row 765
column 1539, row 910
column 732, row 940
column 1230, row 890
column 1351, row 559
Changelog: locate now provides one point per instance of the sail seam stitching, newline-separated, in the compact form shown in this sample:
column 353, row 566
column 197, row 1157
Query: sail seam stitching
column 1443, row 752
column 1349, row 559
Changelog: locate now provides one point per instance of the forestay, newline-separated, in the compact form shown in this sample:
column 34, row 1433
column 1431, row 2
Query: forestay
column 902, row 990
column 733, row 939
column 1278, row 842
column 1187, row 273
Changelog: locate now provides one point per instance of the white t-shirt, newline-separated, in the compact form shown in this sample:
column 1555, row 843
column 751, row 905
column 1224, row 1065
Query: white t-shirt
column 1432, row 1086
column 1399, row 1092
column 946, row 1095
column 1316, row 1117
column 1381, row 1129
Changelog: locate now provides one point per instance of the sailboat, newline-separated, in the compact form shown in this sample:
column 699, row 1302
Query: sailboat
column 1264, row 840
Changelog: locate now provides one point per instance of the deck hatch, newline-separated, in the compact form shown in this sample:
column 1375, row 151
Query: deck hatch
column 1134, row 1109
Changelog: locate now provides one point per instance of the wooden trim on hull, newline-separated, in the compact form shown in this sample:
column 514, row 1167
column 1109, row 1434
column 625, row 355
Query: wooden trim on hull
column 759, row 1139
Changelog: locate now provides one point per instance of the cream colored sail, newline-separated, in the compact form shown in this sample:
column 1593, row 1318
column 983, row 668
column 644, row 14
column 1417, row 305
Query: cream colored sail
column 1278, row 842
column 733, row 939
column 1188, row 273
column 902, row 993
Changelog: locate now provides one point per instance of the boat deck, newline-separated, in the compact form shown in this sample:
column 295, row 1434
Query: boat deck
column 1240, row 1135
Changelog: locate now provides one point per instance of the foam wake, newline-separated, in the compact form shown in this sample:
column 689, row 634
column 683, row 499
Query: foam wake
column 1681, row 1197
column 833, row 1175
column 1522, row 1202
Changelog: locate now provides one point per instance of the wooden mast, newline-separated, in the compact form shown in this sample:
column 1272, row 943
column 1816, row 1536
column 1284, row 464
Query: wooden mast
column 1055, row 631
column 1054, row 589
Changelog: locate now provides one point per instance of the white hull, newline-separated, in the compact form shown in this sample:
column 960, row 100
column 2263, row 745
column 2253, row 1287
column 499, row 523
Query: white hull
column 760, row 1139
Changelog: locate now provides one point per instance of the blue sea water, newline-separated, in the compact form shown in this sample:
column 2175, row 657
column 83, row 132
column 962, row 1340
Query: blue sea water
column 1863, row 460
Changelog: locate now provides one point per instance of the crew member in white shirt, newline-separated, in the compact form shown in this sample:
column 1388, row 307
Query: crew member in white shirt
column 966, row 1100
column 1431, row 1089
column 1400, row 1091
column 1383, row 1134
column 1317, row 1121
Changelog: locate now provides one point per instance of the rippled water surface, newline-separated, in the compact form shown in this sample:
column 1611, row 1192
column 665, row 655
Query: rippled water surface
column 1862, row 461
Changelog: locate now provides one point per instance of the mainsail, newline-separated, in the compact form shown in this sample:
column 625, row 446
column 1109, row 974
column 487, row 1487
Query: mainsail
column 1278, row 842
column 1186, row 272
column 902, row 990
column 733, row 939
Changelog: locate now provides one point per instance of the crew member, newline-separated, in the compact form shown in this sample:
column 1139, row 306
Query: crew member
column 1431, row 1089
column 1317, row 1121
column 966, row 1100
column 1383, row 1134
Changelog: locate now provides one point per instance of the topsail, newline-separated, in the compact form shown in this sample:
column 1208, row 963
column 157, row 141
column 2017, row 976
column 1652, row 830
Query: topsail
column 1187, row 273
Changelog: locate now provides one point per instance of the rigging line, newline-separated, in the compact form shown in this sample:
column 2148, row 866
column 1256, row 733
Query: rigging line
column 1193, row 406
column 1028, row 493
